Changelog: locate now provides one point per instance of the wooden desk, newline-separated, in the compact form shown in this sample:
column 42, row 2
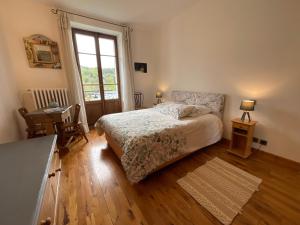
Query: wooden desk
column 53, row 122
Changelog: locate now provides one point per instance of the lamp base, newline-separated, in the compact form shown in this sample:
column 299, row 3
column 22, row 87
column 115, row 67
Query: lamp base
column 244, row 115
column 159, row 100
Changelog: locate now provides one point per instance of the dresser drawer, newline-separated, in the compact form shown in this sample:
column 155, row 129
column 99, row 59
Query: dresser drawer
column 48, row 209
column 240, row 126
column 55, row 163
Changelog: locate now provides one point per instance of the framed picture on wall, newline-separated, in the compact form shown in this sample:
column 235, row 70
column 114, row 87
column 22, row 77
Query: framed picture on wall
column 42, row 52
column 140, row 67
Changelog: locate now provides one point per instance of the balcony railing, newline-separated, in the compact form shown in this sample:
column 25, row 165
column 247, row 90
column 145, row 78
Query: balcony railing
column 94, row 95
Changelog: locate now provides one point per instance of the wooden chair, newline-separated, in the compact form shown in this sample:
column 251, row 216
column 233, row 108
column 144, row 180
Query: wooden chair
column 33, row 129
column 138, row 100
column 74, row 128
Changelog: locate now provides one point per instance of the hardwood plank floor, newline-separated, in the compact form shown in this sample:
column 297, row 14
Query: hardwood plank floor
column 94, row 190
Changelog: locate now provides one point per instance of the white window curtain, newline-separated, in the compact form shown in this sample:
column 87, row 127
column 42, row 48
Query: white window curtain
column 127, row 83
column 71, row 68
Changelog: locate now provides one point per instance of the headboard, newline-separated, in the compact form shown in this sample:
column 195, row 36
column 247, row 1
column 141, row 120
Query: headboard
column 213, row 101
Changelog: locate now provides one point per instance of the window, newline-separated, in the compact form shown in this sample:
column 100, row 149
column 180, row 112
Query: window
column 109, row 68
column 98, row 63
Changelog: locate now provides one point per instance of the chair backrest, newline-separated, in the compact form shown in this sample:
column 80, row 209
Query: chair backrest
column 76, row 113
column 23, row 111
column 138, row 99
column 29, row 122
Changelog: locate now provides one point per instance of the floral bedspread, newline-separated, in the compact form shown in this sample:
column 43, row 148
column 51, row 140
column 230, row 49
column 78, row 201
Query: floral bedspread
column 147, row 137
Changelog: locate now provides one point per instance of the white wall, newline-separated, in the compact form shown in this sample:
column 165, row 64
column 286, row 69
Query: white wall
column 36, row 18
column 244, row 49
column 21, row 19
column 9, row 130
column 144, row 47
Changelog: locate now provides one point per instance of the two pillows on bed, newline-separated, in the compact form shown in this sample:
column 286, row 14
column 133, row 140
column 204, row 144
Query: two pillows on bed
column 179, row 111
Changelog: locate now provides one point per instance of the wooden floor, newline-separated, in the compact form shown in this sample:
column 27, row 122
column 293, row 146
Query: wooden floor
column 94, row 190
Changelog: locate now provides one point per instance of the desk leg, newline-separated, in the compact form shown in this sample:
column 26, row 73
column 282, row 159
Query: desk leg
column 61, row 142
column 64, row 140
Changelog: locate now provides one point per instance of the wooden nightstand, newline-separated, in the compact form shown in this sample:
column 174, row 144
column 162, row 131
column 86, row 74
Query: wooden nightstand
column 241, row 138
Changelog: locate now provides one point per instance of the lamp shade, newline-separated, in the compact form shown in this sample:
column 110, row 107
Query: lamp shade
column 247, row 105
column 158, row 94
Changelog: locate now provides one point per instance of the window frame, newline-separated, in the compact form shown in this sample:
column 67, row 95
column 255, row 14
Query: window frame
column 97, row 36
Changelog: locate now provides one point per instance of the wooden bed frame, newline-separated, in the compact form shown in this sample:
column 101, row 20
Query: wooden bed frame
column 119, row 152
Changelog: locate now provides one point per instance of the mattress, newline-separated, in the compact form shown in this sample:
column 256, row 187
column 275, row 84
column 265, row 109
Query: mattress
column 149, row 138
column 201, row 131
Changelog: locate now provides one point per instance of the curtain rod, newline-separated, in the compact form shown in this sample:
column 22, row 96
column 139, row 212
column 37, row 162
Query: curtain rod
column 55, row 11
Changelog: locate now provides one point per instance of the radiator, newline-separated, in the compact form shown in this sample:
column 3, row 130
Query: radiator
column 37, row 98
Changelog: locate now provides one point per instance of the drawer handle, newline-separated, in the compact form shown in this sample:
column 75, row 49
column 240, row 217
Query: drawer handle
column 51, row 175
column 58, row 170
column 56, row 151
column 46, row 221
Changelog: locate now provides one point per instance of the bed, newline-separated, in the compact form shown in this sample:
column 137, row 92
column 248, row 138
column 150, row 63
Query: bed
column 147, row 140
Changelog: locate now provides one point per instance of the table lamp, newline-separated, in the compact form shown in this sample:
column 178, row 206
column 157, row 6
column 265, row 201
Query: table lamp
column 247, row 106
column 158, row 96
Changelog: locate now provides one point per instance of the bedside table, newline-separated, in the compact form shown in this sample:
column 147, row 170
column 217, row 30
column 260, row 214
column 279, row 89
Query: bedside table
column 241, row 137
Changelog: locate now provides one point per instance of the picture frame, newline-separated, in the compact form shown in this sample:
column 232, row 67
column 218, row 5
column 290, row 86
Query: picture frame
column 140, row 67
column 42, row 52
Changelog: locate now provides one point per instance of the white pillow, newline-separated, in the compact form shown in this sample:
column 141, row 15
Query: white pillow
column 199, row 110
column 175, row 110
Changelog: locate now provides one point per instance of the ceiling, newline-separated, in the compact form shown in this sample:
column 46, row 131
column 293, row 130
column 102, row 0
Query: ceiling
column 125, row 11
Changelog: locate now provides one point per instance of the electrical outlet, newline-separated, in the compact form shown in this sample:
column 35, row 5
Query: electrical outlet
column 255, row 139
column 263, row 142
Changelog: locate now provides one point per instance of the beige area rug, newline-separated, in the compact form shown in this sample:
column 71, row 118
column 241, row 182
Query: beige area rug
column 221, row 188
